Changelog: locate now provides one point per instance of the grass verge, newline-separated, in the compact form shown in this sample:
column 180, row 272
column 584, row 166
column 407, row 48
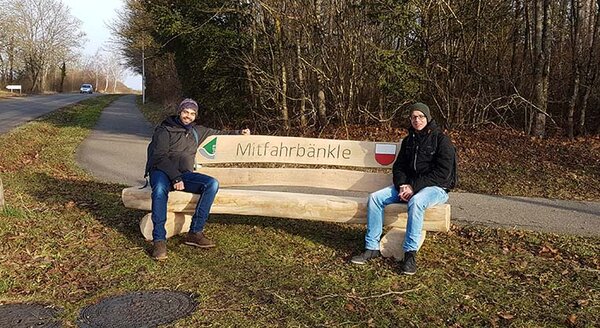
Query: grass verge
column 68, row 241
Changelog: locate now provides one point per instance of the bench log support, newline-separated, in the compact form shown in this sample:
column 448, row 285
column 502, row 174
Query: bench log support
column 391, row 243
column 327, row 208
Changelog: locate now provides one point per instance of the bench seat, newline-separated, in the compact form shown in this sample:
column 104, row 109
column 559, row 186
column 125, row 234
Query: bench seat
column 316, row 207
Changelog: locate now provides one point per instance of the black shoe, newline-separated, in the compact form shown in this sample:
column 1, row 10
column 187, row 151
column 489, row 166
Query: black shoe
column 366, row 256
column 409, row 264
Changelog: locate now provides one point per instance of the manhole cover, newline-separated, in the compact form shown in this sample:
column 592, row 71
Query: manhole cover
column 29, row 315
column 137, row 309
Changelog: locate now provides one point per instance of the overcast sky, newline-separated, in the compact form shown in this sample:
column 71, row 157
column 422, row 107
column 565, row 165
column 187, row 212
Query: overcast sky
column 95, row 15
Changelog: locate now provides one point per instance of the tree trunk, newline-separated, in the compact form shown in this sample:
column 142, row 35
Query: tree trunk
column 576, row 20
column 106, row 84
column 541, row 66
column 284, row 107
column 43, row 80
column 11, row 61
column 572, row 105
column 303, row 120
column 322, row 112
column 96, row 80
column 586, row 96
column 34, row 80
column 63, row 74
column 283, row 71
column 319, row 62
column 515, row 41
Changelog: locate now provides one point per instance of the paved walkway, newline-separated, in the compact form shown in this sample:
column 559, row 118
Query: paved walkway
column 540, row 214
column 116, row 152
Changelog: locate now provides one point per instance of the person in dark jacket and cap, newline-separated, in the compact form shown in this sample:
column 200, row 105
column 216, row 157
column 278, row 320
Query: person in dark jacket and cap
column 170, row 166
column 423, row 173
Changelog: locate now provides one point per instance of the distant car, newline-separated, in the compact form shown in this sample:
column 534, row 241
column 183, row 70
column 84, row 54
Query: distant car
column 86, row 88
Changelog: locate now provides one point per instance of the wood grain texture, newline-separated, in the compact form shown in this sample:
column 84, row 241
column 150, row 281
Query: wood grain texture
column 318, row 178
column 391, row 243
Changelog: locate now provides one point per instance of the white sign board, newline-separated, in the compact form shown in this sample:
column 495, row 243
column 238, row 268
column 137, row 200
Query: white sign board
column 12, row 88
column 313, row 151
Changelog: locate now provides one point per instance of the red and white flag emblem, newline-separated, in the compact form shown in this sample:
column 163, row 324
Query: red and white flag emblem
column 385, row 153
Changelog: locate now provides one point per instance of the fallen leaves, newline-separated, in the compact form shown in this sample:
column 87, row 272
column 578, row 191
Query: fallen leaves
column 548, row 251
column 572, row 320
column 70, row 204
column 506, row 315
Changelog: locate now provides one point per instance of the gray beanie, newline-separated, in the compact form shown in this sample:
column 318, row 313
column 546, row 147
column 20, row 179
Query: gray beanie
column 421, row 107
column 187, row 104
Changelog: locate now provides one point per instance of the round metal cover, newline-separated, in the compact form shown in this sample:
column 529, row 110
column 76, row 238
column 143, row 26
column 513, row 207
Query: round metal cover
column 29, row 315
column 138, row 309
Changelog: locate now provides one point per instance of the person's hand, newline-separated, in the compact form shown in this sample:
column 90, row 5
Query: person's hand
column 246, row 132
column 405, row 192
column 178, row 185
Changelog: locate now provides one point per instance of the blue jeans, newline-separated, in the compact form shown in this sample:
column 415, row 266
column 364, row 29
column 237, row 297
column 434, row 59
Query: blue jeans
column 196, row 183
column 417, row 204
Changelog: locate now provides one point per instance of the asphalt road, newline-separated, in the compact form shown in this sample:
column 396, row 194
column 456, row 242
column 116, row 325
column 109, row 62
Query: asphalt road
column 116, row 152
column 19, row 110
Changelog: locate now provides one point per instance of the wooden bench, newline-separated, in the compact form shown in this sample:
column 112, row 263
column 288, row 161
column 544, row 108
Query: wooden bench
column 331, row 184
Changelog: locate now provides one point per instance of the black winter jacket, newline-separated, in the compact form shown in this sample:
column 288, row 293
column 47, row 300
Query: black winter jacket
column 173, row 147
column 426, row 158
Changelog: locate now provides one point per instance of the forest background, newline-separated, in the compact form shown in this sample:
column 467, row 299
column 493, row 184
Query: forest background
column 304, row 66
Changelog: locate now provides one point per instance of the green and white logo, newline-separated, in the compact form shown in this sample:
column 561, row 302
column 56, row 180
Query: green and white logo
column 209, row 150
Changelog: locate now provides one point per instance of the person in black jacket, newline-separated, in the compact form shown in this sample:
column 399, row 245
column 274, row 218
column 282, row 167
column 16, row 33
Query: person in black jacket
column 170, row 166
column 423, row 173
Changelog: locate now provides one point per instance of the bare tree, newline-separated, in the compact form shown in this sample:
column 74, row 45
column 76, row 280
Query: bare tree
column 45, row 33
column 9, row 58
column 591, row 66
column 115, row 70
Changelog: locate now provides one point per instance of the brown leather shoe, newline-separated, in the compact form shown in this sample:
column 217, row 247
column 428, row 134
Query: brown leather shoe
column 198, row 239
column 159, row 250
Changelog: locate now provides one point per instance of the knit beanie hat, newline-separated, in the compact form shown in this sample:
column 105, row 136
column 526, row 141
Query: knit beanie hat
column 421, row 107
column 187, row 104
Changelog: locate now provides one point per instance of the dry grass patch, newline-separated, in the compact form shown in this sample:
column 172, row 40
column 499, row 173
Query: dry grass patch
column 68, row 241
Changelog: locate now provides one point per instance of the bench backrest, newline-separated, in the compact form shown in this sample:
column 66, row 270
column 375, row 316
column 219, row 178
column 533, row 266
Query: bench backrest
column 291, row 150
